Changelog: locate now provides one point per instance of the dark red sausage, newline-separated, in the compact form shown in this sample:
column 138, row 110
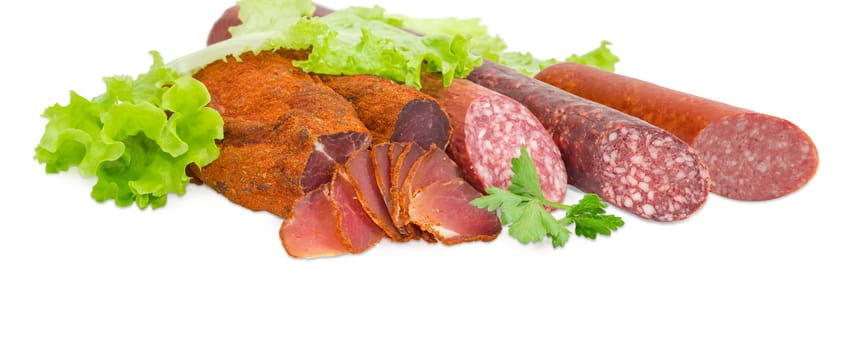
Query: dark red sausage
column 626, row 161
column 488, row 130
column 750, row 156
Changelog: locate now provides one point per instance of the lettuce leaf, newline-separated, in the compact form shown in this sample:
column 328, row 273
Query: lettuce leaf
column 481, row 42
column 362, row 40
column 270, row 15
column 355, row 40
column 137, row 138
column 601, row 58
column 494, row 48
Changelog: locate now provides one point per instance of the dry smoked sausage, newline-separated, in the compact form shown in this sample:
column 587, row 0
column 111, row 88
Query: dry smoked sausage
column 750, row 155
column 626, row 161
column 488, row 130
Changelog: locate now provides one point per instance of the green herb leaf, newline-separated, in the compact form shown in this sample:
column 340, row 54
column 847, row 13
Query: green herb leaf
column 529, row 226
column 523, row 208
column 525, row 180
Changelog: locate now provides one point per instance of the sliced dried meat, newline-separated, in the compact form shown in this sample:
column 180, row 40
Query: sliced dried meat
column 313, row 229
column 362, row 177
column 403, row 156
column 443, row 209
column 432, row 166
column 284, row 132
column 358, row 231
column 750, row 155
column 382, row 170
column 626, row 161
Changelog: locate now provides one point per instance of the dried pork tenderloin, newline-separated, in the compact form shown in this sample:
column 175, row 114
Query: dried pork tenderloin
column 329, row 221
column 444, row 201
column 284, row 132
column 393, row 112
column 312, row 230
column 359, row 231
column 443, row 209
column 362, row 176
column 402, row 156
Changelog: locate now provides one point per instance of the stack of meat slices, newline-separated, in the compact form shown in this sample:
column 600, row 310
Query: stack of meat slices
column 395, row 190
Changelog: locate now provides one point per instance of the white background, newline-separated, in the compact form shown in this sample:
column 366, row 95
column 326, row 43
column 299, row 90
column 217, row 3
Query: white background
column 203, row 273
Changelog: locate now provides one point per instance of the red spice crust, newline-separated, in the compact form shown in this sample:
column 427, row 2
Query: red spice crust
column 273, row 115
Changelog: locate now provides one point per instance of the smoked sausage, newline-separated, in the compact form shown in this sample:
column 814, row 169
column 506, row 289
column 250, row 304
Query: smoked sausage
column 626, row 161
column 750, row 156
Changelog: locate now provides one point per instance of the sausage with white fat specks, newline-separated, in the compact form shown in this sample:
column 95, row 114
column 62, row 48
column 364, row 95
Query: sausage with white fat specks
column 750, row 155
column 626, row 161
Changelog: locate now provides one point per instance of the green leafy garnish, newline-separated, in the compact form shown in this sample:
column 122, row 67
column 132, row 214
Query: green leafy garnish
column 523, row 206
column 493, row 47
column 355, row 40
column 361, row 40
column 137, row 138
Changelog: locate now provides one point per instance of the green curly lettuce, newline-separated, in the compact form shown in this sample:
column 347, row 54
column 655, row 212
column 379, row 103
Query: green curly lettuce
column 366, row 41
column 492, row 47
column 137, row 138
column 601, row 58
column 482, row 43
column 355, row 40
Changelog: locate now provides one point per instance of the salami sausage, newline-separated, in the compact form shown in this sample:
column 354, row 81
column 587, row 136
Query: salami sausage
column 284, row 132
column 488, row 131
column 750, row 156
column 626, row 161
column 393, row 112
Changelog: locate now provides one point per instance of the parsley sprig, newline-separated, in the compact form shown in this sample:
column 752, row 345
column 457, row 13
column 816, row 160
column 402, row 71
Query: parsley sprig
column 523, row 206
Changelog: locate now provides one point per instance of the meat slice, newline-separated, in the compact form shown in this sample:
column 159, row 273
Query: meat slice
column 443, row 209
column 626, row 161
column 750, row 155
column 284, row 132
column 489, row 130
column 313, row 229
column 402, row 161
column 362, row 176
column 393, row 112
column 382, row 175
column 358, row 231
column 432, row 166
column 382, row 170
